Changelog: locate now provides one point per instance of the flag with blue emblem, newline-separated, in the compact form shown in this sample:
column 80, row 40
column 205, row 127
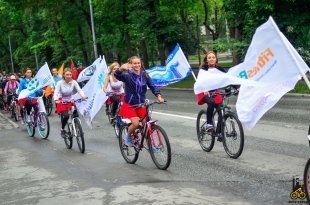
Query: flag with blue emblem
column 177, row 68
column 93, row 90
column 41, row 79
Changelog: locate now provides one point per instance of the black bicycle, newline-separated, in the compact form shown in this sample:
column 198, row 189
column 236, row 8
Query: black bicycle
column 49, row 105
column 117, row 122
column 157, row 142
column 12, row 106
column 307, row 174
column 228, row 128
column 2, row 102
column 109, row 108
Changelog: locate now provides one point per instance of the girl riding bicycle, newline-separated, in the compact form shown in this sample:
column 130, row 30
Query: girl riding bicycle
column 31, row 101
column 63, row 97
column 136, row 81
column 10, row 90
column 212, row 97
column 113, row 88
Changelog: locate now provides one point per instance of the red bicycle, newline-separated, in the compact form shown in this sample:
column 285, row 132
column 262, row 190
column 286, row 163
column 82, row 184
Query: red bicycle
column 157, row 142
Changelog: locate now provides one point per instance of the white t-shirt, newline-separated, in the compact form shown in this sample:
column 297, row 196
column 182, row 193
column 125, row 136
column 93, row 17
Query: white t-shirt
column 65, row 90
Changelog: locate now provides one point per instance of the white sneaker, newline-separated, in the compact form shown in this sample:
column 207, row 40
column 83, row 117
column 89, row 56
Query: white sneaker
column 28, row 119
column 209, row 127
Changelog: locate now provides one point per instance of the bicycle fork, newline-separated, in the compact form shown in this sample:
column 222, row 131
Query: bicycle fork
column 73, row 126
column 149, row 130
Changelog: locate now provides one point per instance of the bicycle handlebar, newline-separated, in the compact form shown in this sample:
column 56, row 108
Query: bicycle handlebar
column 225, row 93
column 147, row 103
column 72, row 101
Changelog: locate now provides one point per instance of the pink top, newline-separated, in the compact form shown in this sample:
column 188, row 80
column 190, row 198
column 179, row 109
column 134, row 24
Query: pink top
column 11, row 88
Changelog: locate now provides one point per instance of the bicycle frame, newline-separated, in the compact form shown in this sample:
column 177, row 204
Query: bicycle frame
column 145, row 127
column 71, row 119
column 72, row 125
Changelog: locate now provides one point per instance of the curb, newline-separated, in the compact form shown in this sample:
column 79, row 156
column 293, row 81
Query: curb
column 10, row 121
column 287, row 94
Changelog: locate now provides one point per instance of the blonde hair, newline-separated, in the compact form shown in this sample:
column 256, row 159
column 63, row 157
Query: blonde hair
column 66, row 70
column 112, row 66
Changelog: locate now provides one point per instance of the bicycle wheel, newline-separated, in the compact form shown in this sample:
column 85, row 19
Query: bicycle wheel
column 30, row 126
column 79, row 135
column 232, row 135
column 2, row 104
column 49, row 105
column 117, row 125
column 205, row 138
column 130, row 154
column 68, row 137
column 307, row 179
column 43, row 125
column 13, row 111
column 159, row 145
column 109, row 114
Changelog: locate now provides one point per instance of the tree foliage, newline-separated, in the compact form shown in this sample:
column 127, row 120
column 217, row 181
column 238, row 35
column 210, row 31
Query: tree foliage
column 58, row 31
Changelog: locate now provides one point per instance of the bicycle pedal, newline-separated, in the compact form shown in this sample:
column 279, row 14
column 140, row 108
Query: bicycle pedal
column 219, row 139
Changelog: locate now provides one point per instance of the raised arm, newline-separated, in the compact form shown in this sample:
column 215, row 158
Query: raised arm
column 120, row 75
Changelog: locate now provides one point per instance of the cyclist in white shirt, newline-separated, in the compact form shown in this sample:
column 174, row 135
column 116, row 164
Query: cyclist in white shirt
column 113, row 88
column 64, row 91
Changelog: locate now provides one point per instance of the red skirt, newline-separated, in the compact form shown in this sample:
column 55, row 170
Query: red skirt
column 63, row 107
column 23, row 101
column 218, row 99
column 109, row 101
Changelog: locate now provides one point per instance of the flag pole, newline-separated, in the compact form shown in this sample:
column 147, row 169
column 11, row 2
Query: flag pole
column 291, row 53
column 194, row 75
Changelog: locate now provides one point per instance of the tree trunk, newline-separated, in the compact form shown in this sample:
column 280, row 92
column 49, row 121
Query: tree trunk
column 82, row 45
column 235, row 54
column 162, row 53
column 62, row 39
column 127, row 38
column 205, row 6
column 145, row 54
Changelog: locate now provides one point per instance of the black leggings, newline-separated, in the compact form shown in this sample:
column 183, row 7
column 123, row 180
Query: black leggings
column 29, row 105
column 64, row 116
column 210, row 109
column 9, row 99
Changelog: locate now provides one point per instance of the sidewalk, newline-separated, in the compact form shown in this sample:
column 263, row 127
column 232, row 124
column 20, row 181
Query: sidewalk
column 6, row 123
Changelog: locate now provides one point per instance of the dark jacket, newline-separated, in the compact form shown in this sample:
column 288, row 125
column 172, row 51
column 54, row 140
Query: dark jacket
column 136, row 86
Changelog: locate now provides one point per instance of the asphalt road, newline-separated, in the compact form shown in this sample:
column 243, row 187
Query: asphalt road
column 35, row 171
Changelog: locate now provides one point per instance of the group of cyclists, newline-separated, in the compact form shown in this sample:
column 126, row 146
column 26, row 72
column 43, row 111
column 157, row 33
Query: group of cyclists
column 126, row 84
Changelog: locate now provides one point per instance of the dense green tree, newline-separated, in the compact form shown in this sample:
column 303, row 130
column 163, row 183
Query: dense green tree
column 58, row 31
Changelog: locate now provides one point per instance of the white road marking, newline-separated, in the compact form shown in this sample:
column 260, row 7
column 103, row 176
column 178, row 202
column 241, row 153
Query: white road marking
column 173, row 115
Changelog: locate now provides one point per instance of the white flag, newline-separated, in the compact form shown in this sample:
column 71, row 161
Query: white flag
column 88, row 72
column 213, row 79
column 93, row 90
column 177, row 68
column 272, row 62
column 42, row 79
